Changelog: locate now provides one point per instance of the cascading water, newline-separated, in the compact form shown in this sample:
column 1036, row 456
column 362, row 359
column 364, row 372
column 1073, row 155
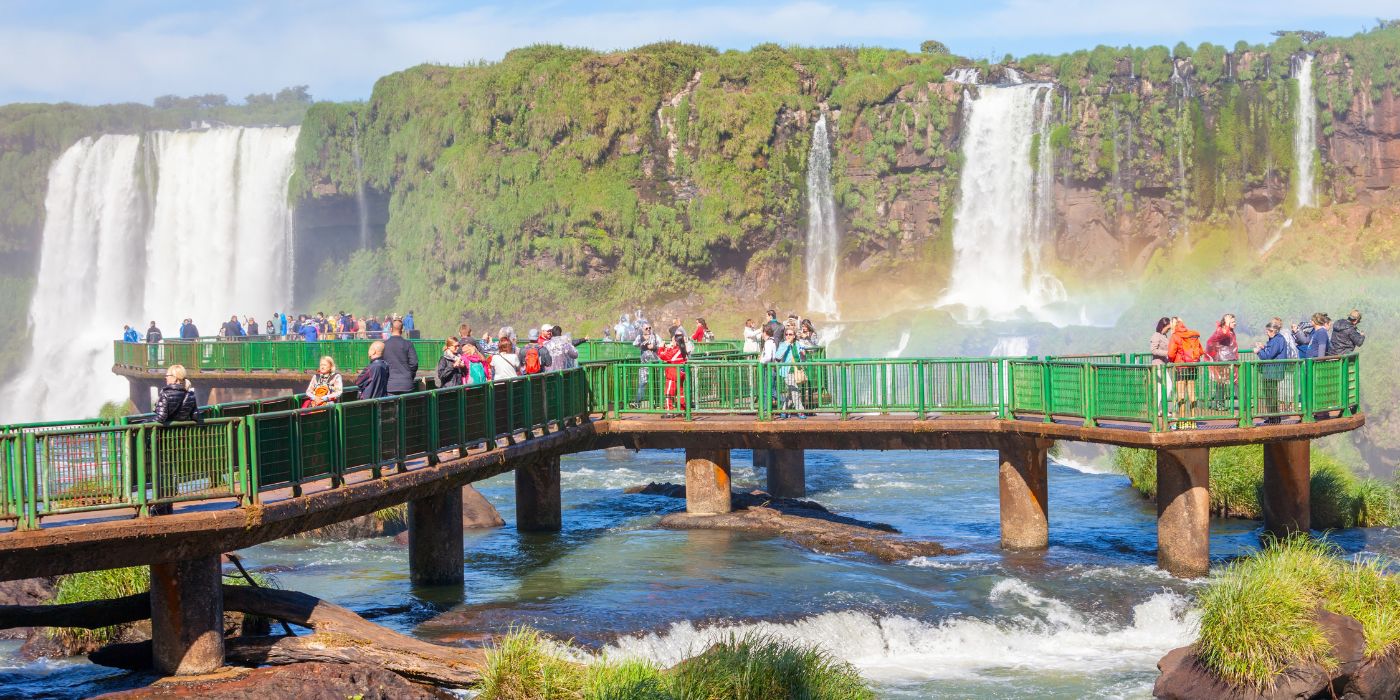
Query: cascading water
column 1183, row 128
column 1305, row 131
column 1005, row 212
column 166, row 226
column 360, row 203
column 823, row 237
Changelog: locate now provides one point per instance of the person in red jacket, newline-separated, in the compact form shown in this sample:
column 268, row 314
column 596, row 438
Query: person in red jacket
column 702, row 331
column 674, row 354
column 1184, row 348
column 1222, row 347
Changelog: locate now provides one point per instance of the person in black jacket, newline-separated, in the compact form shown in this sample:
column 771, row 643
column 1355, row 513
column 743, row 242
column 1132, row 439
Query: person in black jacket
column 1347, row 335
column 402, row 359
column 188, row 331
column 374, row 379
column 177, row 401
column 449, row 368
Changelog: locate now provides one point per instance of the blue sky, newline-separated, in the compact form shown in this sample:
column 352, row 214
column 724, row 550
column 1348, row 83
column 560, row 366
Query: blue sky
column 94, row 52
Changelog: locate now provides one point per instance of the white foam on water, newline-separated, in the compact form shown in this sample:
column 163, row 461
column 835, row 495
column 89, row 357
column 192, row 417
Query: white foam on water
column 1040, row 634
column 1084, row 466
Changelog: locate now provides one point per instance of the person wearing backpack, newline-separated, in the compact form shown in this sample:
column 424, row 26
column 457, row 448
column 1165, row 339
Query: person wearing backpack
column 675, row 353
column 1185, row 349
column 533, row 357
column 1319, row 340
column 476, row 369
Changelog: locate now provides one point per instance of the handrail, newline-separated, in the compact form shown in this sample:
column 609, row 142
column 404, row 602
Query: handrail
column 244, row 449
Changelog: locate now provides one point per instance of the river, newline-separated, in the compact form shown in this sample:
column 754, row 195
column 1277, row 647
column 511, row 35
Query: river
column 1087, row 618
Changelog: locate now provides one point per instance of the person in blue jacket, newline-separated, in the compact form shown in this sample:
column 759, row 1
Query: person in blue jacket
column 129, row 335
column 1320, row 340
column 281, row 324
column 1272, row 373
column 408, row 321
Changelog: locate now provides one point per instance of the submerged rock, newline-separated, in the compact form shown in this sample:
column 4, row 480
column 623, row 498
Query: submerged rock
column 806, row 523
column 25, row 591
column 305, row 681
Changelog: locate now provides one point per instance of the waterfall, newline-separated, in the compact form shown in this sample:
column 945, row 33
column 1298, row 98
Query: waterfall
column 1182, row 124
column 1005, row 212
column 964, row 76
column 163, row 226
column 1011, row 346
column 823, row 238
column 360, row 185
column 1305, row 131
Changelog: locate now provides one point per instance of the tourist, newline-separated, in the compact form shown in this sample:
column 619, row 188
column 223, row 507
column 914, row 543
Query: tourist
column 807, row 341
column 768, row 352
column 562, row 353
column 464, row 336
column 1275, row 347
column 1317, row 341
column 407, row 322
column 177, row 400
column 807, row 332
column 674, row 353
column 788, row 354
column 649, row 344
column 374, row 379
column 252, row 326
column 505, row 362
column 752, row 337
column 326, row 385
column 1222, row 346
column 623, row 330
column 129, row 335
column 271, row 331
column 309, row 331
column 153, row 334
column 702, row 332
column 476, row 369
column 534, row 358
column 449, row 367
column 1346, row 336
column 1159, row 343
column 281, row 323
column 773, row 324
column 1185, row 348
column 402, row 359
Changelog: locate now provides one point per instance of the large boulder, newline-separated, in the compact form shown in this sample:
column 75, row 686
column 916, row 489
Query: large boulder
column 1376, row 677
column 306, row 681
column 25, row 591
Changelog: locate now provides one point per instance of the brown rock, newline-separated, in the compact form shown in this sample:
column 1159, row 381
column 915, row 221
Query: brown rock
column 1184, row 677
column 308, row 681
column 477, row 512
column 27, row 591
column 1348, row 640
column 1376, row 677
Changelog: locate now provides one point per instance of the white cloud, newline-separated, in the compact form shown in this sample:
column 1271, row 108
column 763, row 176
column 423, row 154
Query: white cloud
column 340, row 48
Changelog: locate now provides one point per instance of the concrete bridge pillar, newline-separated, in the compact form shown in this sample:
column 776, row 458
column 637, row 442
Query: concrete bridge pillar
column 1287, row 493
column 435, row 555
column 1024, row 487
column 707, row 481
column 538, row 507
column 187, row 616
column 787, row 473
column 140, row 395
column 762, row 458
column 1183, row 511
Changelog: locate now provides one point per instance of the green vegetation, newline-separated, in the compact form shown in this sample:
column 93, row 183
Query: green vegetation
column 395, row 515
column 1257, row 615
column 526, row 666
column 1339, row 498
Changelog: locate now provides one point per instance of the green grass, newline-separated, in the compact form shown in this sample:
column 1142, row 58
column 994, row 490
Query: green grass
column 527, row 666
column 1257, row 615
column 1338, row 498
column 393, row 515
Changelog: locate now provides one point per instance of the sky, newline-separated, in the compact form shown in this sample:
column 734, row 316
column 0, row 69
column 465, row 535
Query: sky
column 99, row 52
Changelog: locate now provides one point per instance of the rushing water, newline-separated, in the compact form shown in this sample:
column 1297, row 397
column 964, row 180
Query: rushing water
column 1305, row 131
column 1088, row 617
column 1005, row 211
column 823, row 236
column 169, row 225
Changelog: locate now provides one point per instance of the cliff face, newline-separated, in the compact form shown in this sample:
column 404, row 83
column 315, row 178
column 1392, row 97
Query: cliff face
column 670, row 171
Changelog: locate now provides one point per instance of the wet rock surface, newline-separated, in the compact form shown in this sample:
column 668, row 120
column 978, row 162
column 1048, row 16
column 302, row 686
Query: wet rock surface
column 308, row 681
column 807, row 523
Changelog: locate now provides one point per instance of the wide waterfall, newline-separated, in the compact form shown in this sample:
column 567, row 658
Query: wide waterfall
column 823, row 237
column 1305, row 131
column 165, row 226
column 1005, row 212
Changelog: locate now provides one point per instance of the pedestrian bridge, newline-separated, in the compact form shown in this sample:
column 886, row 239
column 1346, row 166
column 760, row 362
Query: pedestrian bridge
column 86, row 495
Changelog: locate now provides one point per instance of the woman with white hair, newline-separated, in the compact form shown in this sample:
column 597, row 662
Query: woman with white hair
column 177, row 401
column 326, row 385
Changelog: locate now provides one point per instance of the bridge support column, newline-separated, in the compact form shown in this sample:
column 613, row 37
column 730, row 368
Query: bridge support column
column 140, row 395
column 707, row 481
column 787, row 473
column 1287, row 493
column 1183, row 511
column 762, row 459
column 1024, row 487
column 435, row 539
column 537, row 502
column 187, row 616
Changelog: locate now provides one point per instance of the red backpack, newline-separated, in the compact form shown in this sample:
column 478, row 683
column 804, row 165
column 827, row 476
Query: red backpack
column 532, row 359
column 1191, row 350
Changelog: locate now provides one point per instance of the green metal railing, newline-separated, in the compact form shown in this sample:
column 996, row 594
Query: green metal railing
column 246, row 448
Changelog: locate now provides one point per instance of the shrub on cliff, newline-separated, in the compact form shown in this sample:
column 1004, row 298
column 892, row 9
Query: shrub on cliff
column 1258, row 616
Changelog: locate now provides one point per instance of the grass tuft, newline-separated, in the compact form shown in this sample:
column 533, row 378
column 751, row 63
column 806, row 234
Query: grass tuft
column 1258, row 614
column 395, row 515
column 521, row 667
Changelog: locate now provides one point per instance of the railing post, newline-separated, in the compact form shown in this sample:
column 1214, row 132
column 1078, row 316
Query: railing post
column 254, row 468
column 919, row 378
column 338, row 457
column 434, row 435
column 491, row 415
column 687, row 389
column 1001, row 387
column 29, row 496
column 1089, row 384
column 1309, row 391
column 1045, row 391
column 843, row 382
column 1245, row 382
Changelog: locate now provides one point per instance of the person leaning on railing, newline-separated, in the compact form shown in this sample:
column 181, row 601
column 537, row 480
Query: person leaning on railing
column 177, row 401
column 789, row 353
column 326, row 385
column 1272, row 373
column 374, row 378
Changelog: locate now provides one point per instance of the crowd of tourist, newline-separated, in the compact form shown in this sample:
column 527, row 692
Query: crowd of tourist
column 309, row 327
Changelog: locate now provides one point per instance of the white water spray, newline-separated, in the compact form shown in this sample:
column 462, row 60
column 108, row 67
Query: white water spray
column 1005, row 212
column 1305, row 132
column 216, row 242
column 823, row 237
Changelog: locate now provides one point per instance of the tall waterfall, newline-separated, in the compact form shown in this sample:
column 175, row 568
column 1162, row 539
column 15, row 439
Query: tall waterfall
column 823, row 238
column 164, row 226
column 1305, row 131
column 1005, row 212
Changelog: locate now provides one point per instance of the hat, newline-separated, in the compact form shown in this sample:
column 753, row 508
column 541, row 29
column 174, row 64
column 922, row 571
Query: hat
column 534, row 334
